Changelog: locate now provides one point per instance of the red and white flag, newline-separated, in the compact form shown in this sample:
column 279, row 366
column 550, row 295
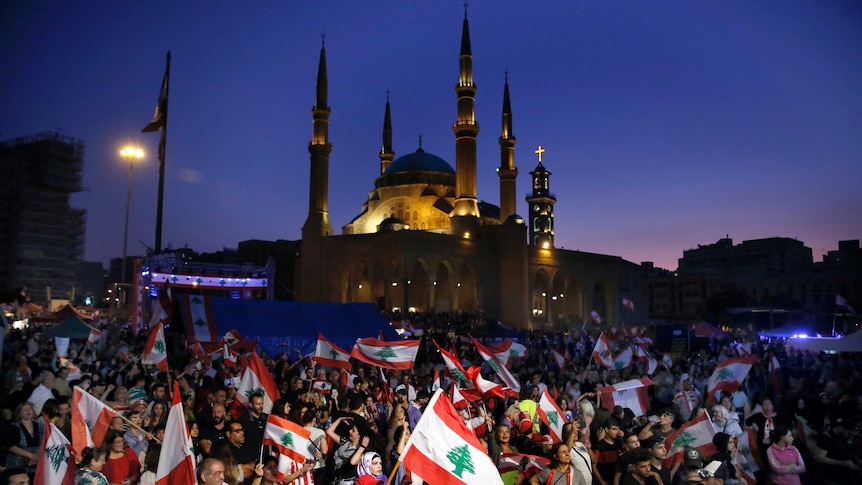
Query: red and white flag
column 327, row 353
column 322, row 386
column 457, row 398
column 443, row 450
column 742, row 348
column 559, row 359
column 728, row 376
column 624, row 359
column 602, row 352
column 228, row 356
column 645, row 358
column 667, row 361
column 456, row 370
column 551, row 415
column 776, row 383
column 56, row 464
column 156, row 350
column 198, row 317
column 177, row 460
column 163, row 308
column 256, row 379
column 91, row 419
column 93, row 338
column 745, row 462
column 291, row 440
column 233, row 336
column 630, row 394
column 507, row 350
column 696, row 433
column 521, row 462
column 435, row 381
column 485, row 387
column 629, row 304
column 596, row 317
column 388, row 355
column 498, row 367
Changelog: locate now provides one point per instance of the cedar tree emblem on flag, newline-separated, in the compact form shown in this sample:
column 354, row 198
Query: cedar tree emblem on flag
column 553, row 418
column 385, row 353
column 683, row 440
column 287, row 439
column 461, row 460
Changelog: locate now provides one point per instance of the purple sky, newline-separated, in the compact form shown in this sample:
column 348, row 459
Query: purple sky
column 666, row 124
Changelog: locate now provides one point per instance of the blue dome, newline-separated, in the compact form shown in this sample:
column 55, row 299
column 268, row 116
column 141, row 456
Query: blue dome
column 419, row 161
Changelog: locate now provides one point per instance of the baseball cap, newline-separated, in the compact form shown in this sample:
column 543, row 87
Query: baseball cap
column 547, row 440
column 692, row 458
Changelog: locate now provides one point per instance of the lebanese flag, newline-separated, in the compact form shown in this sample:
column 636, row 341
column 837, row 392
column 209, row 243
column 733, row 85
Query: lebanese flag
column 629, row 304
column 388, row 355
column 644, row 357
column 775, row 380
column 56, row 463
column 457, row 398
column 602, row 352
column 176, row 462
column 507, row 350
column 697, row 433
column 551, row 415
column 456, row 370
column 197, row 349
column 497, row 366
column 745, row 462
column 728, row 376
column 485, row 387
column 327, row 353
column 163, row 308
column 624, row 359
column 630, row 394
column 442, row 449
column 559, row 359
column 156, row 350
column 596, row 317
column 668, row 362
column 322, row 386
column 291, row 440
column 198, row 317
column 228, row 355
column 233, row 336
column 435, row 382
column 91, row 419
column 521, row 462
column 93, row 338
column 256, row 379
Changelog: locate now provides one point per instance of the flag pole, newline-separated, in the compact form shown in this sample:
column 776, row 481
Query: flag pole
column 394, row 472
column 162, row 144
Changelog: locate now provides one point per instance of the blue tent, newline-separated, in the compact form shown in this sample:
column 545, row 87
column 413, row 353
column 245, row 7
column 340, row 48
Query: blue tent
column 292, row 326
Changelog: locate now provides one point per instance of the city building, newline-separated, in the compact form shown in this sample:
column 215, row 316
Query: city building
column 43, row 236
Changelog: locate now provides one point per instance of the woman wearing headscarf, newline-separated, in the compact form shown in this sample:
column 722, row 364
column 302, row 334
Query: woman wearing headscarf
column 370, row 464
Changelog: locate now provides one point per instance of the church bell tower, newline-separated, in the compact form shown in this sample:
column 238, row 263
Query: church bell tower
column 541, row 206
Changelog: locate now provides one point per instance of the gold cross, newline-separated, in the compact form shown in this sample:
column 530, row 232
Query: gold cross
column 540, row 151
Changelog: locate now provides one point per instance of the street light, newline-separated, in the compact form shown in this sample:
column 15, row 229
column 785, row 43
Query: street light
column 129, row 153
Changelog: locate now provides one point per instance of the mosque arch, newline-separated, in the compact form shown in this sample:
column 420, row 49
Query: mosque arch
column 418, row 289
column 443, row 296
column 539, row 296
column 467, row 288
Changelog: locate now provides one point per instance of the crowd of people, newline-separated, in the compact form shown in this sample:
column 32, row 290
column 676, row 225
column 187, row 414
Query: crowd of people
column 804, row 428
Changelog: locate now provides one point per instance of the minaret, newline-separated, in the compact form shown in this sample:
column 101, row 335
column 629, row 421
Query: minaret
column 541, row 206
column 465, row 214
column 507, row 172
column 319, row 148
column 386, row 153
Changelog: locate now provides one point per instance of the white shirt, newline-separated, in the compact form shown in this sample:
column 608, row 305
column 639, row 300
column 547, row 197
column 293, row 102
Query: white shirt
column 580, row 461
column 39, row 396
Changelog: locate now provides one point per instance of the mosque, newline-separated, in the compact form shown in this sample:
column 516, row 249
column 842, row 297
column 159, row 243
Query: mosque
column 424, row 242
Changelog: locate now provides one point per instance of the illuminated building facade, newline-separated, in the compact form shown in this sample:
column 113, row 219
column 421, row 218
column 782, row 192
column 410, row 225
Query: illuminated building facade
column 424, row 241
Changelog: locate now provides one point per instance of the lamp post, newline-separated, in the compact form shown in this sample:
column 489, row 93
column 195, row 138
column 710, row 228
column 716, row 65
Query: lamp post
column 129, row 153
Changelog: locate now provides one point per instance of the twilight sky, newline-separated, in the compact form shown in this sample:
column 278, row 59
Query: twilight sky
column 666, row 124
